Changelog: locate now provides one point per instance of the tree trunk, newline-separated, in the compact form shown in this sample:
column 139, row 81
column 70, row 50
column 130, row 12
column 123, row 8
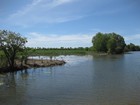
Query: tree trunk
column 12, row 65
column 13, row 61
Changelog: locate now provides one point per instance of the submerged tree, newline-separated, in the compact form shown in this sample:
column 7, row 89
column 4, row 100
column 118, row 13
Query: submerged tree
column 99, row 41
column 11, row 43
column 108, row 43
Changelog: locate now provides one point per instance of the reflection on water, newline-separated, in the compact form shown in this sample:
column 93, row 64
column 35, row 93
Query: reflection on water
column 84, row 80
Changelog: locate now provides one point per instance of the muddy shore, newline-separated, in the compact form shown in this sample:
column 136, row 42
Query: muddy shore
column 33, row 63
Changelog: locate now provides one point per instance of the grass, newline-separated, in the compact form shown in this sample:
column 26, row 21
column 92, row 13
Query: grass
column 58, row 51
column 45, row 52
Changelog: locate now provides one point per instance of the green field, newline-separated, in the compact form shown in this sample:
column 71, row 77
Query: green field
column 58, row 51
column 45, row 52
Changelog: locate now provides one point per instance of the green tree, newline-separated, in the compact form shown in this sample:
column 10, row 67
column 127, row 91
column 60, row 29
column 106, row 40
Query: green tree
column 99, row 42
column 11, row 43
column 132, row 47
column 137, row 48
column 119, row 43
column 108, row 42
column 111, row 45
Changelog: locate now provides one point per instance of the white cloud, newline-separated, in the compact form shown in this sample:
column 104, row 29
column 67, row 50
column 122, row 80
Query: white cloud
column 132, row 39
column 77, row 40
column 44, row 11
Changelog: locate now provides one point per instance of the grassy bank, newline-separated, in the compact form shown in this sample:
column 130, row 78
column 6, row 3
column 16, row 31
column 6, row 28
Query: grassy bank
column 51, row 52
column 58, row 51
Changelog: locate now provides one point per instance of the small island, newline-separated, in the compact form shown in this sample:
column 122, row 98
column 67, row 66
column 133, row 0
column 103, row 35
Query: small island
column 33, row 63
column 15, row 56
column 110, row 43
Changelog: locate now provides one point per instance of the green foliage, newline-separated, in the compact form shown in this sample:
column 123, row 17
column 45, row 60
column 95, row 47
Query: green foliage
column 10, row 44
column 108, row 43
column 132, row 47
column 111, row 45
column 99, row 42
column 57, row 51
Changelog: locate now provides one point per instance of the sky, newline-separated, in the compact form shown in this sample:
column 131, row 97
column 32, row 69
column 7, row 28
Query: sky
column 70, row 23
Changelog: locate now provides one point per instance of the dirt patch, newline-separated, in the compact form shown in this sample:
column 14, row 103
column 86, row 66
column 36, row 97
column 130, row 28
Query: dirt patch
column 33, row 63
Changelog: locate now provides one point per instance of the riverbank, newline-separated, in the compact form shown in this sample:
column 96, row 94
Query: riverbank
column 33, row 63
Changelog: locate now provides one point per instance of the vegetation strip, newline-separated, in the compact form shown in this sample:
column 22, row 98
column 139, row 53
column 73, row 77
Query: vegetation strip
column 14, row 55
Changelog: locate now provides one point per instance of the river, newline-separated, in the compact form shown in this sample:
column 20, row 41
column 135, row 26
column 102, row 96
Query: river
column 83, row 80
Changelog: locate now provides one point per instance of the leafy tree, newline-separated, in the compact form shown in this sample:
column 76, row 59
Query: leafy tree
column 108, row 42
column 111, row 45
column 132, row 47
column 137, row 48
column 11, row 43
column 119, row 43
column 99, row 41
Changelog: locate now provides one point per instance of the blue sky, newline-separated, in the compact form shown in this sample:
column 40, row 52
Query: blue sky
column 70, row 23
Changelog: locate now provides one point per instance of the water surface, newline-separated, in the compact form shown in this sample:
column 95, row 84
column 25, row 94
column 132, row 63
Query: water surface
column 84, row 80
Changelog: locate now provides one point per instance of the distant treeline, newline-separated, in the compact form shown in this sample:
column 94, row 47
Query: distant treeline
column 132, row 47
column 61, row 48
column 58, row 51
column 72, row 51
column 112, row 43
